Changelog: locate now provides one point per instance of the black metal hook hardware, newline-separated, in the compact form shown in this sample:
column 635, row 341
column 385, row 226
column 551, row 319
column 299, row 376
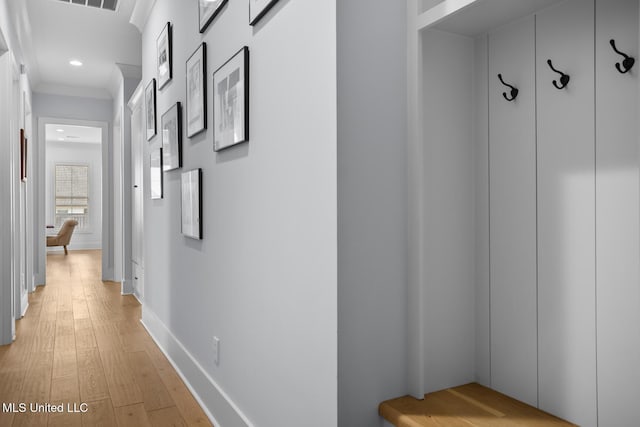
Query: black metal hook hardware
column 627, row 62
column 564, row 78
column 514, row 90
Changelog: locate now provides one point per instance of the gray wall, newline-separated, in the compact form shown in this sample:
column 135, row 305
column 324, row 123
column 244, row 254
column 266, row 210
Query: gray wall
column 73, row 108
column 264, row 277
column 372, row 208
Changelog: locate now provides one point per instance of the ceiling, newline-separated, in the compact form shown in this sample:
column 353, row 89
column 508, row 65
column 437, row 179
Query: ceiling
column 60, row 31
column 74, row 134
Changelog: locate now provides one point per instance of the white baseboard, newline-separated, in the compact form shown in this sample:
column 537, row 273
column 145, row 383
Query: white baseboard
column 206, row 391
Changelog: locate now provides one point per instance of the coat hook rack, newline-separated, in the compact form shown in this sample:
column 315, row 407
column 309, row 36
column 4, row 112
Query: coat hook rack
column 564, row 78
column 627, row 62
column 514, row 90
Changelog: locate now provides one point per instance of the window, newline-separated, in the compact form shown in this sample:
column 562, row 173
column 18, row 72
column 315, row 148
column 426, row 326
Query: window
column 72, row 194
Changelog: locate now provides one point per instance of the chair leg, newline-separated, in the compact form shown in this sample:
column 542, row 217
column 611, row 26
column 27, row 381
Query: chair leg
column 66, row 252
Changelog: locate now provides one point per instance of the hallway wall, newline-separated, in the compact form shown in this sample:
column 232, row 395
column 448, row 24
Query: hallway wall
column 264, row 278
column 372, row 208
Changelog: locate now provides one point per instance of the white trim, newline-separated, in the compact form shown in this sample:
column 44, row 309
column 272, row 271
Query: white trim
column 440, row 12
column 205, row 390
column 415, row 196
column 141, row 12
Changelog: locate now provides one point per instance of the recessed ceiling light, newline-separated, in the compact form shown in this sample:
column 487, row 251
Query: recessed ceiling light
column 75, row 63
column 60, row 139
column 59, row 130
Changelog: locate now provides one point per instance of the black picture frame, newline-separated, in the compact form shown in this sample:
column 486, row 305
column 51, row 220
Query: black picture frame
column 207, row 11
column 172, row 138
column 155, row 174
column 164, row 56
column 231, row 101
column 259, row 8
column 23, row 156
column 196, row 87
column 150, row 109
column 191, row 204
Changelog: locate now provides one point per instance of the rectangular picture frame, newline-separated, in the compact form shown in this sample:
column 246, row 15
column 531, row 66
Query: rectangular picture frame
column 196, row 103
column 23, row 156
column 155, row 174
column 259, row 8
column 164, row 53
column 231, row 101
column 150, row 108
column 207, row 11
column 192, row 203
column 172, row 138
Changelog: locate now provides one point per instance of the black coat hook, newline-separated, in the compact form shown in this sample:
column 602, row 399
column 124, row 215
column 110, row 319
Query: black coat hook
column 514, row 90
column 564, row 78
column 627, row 62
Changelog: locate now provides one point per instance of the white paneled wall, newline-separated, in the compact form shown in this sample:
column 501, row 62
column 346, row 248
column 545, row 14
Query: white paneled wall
column 512, row 160
column 557, row 202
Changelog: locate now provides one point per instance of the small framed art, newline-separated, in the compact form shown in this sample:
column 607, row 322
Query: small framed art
column 196, row 91
column 23, row 156
column 155, row 171
column 207, row 11
column 231, row 101
column 172, row 138
column 259, row 8
column 191, row 203
column 164, row 51
column 150, row 103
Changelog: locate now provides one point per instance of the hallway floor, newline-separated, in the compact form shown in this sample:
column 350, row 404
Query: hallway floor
column 82, row 342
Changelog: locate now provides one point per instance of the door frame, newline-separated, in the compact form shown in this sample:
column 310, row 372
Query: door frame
column 107, row 253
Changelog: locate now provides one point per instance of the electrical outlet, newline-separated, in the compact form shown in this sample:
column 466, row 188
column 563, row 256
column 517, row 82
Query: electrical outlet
column 216, row 350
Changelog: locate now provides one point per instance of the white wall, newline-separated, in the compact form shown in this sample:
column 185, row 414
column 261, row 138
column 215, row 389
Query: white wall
column 72, row 108
column 264, row 277
column 65, row 152
column 372, row 208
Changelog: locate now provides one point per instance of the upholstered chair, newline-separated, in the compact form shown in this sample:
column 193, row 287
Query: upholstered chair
column 64, row 235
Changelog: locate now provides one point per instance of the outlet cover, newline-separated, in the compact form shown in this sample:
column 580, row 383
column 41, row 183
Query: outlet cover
column 216, row 350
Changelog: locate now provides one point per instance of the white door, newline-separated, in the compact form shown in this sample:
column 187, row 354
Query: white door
column 512, row 177
column 617, row 228
column 137, row 150
column 566, row 212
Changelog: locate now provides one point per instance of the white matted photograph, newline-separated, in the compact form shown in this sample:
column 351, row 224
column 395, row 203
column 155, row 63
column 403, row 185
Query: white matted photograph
column 207, row 11
column 259, row 8
column 196, row 91
column 231, row 101
column 163, row 48
column 172, row 138
column 155, row 172
column 150, row 106
column 191, row 203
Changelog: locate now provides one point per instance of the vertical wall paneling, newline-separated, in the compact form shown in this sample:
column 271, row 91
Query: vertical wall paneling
column 566, row 213
column 449, row 262
column 512, row 156
column 617, row 199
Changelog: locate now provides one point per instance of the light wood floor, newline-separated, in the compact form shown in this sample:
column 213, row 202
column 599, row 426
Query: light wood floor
column 81, row 341
column 465, row 406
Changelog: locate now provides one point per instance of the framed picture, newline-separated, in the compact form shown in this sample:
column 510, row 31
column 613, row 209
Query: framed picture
column 150, row 103
column 163, row 46
column 172, row 138
column 231, row 101
column 23, row 156
column 259, row 8
column 191, row 203
column 207, row 10
column 155, row 170
column 196, row 91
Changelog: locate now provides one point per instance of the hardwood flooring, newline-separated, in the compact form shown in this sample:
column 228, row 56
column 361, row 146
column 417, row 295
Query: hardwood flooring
column 470, row 405
column 82, row 342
